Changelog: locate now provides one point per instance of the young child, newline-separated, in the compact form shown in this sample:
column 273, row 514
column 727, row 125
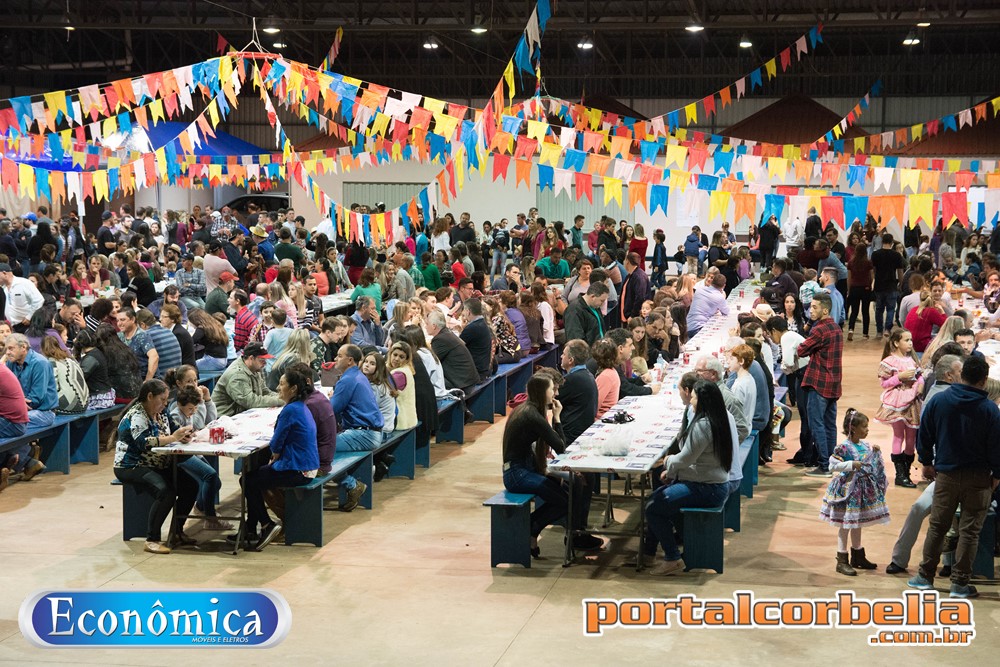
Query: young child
column 185, row 412
column 809, row 287
column 902, row 387
column 856, row 494
column 659, row 265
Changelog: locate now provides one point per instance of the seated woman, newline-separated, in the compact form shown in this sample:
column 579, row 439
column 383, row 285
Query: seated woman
column 140, row 284
column 95, row 371
column 697, row 476
column 531, row 430
column 123, row 369
column 211, row 337
column 171, row 319
column 144, row 426
column 295, row 455
column 71, row 383
column 401, row 373
column 298, row 349
column 605, row 353
column 190, row 407
column 79, row 280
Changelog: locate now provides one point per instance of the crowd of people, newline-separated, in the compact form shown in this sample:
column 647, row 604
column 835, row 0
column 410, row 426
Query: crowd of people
column 172, row 296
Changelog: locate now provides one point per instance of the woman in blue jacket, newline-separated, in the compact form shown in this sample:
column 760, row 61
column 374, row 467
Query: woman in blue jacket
column 294, row 455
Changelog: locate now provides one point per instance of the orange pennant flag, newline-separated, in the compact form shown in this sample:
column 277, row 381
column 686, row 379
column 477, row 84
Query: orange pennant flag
column 637, row 195
column 522, row 172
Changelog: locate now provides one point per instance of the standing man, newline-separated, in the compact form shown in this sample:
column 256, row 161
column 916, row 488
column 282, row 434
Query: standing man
column 21, row 296
column 828, row 280
column 814, row 224
column 106, row 243
column 286, row 249
column 359, row 418
column 821, row 382
column 635, row 288
column 793, row 238
column 959, row 450
column 245, row 322
column 264, row 247
column 889, row 267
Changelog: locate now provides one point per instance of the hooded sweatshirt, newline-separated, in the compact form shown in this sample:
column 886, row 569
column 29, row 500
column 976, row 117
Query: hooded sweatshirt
column 958, row 430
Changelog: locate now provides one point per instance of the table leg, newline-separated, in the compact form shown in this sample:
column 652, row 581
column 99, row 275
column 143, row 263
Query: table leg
column 609, row 511
column 642, row 522
column 568, row 555
column 241, row 531
column 173, row 515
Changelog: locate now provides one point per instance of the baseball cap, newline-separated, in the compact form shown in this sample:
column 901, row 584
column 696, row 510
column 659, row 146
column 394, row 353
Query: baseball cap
column 256, row 350
column 30, row 216
column 187, row 255
column 5, row 268
column 257, row 230
column 226, row 276
column 107, row 215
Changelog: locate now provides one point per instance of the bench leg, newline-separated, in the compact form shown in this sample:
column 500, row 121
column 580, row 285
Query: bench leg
column 451, row 426
column 423, row 450
column 500, row 395
column 982, row 565
column 732, row 512
column 84, row 441
column 510, row 535
column 136, row 504
column 405, row 464
column 703, row 541
column 55, row 449
column 304, row 516
column 482, row 404
column 755, row 457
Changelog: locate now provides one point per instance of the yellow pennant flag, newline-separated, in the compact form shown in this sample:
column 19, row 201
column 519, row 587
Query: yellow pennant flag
column 100, row 185
column 814, row 195
column 161, row 164
column 691, row 112
column 772, row 68
column 681, row 134
column 460, row 168
column 594, row 119
column 917, row 131
column 550, row 154
column 676, row 155
column 954, row 165
column 680, row 179
column 26, row 180
column 508, row 76
column 109, row 126
column 921, row 207
column 433, row 105
column 381, row 124
column 718, row 203
column 777, row 167
column 612, row 190
column 909, row 178
column 156, row 111
column 877, row 160
column 859, row 144
column 56, row 101
column 995, row 103
column 445, row 125
column 537, row 130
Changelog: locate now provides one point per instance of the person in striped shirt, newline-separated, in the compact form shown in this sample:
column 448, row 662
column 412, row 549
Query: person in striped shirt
column 168, row 348
column 245, row 321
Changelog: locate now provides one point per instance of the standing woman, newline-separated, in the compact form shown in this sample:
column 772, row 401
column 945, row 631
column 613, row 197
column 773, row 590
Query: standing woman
column 143, row 427
column 532, row 429
column 211, row 337
column 768, row 236
column 697, row 476
column 440, row 239
column 794, row 313
column 639, row 244
column 860, row 277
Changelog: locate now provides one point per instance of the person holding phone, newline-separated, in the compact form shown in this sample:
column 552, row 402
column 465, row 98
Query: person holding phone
column 143, row 427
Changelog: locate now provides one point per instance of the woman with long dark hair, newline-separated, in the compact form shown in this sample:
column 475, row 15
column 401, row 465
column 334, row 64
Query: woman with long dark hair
column 139, row 282
column 531, row 430
column 123, row 369
column 697, row 476
column 211, row 337
column 860, row 278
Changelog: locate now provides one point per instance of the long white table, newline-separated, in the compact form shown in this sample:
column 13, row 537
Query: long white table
column 635, row 447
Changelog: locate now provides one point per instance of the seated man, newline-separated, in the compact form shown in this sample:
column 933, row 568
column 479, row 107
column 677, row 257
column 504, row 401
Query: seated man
column 168, row 348
column 510, row 280
column 368, row 332
column 243, row 385
column 38, row 383
column 478, row 337
column 137, row 340
column 171, row 294
column 218, row 299
column 456, row 360
column 578, row 394
column 554, row 267
column 13, row 420
column 629, row 386
column 358, row 415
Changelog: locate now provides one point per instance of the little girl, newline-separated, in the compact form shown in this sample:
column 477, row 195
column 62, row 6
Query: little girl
column 856, row 495
column 374, row 368
column 902, row 388
column 187, row 411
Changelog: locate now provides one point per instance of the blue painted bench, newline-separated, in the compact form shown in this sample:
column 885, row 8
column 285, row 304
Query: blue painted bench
column 510, row 528
column 451, row 421
column 403, row 445
column 209, row 378
column 749, row 449
column 512, row 379
column 480, row 400
column 54, row 441
column 304, row 505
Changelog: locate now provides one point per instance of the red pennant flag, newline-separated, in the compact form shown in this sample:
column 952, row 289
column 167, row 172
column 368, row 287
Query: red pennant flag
column 709, row 104
column 833, row 209
column 220, row 45
column 954, row 205
column 584, row 186
column 786, row 58
column 500, row 165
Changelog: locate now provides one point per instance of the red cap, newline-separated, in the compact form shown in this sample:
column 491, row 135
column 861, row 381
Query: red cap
column 226, row 276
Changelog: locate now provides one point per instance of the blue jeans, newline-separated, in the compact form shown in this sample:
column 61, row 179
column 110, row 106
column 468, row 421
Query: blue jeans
column 357, row 440
column 885, row 302
column 207, row 363
column 9, row 429
column 498, row 264
column 664, row 509
column 40, row 418
column 208, row 482
column 193, row 302
column 822, row 424
column 521, row 478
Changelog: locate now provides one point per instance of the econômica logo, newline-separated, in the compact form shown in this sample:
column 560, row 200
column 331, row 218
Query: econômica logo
column 169, row 619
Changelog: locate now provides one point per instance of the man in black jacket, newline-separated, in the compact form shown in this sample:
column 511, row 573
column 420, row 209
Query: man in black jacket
column 632, row 386
column 582, row 318
column 814, row 224
column 578, row 393
column 459, row 368
column 635, row 288
column 478, row 338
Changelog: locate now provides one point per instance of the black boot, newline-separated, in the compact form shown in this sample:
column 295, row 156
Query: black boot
column 902, row 471
column 844, row 567
column 908, row 460
column 859, row 561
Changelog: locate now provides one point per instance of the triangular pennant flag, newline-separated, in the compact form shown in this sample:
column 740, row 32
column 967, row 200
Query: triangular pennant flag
column 584, row 186
column 612, row 191
column 637, row 192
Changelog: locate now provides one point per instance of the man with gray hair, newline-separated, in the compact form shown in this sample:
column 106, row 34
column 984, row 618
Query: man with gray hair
column 456, row 360
column 709, row 368
column 368, row 332
column 947, row 371
column 578, row 393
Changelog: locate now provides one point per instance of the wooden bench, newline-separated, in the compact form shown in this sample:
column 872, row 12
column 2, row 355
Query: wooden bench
column 304, row 505
column 451, row 421
column 510, row 528
column 403, row 445
column 54, row 441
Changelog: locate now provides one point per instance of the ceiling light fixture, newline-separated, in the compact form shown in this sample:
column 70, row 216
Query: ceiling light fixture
column 430, row 44
column 745, row 42
column 585, row 44
column 271, row 26
column 924, row 24
column 478, row 26
column 67, row 22
column 694, row 27
column 911, row 39
column 279, row 45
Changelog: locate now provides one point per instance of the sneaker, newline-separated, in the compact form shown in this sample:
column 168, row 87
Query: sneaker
column 215, row 523
column 249, row 540
column 354, row 497
column 919, row 582
column 818, row 472
column 156, row 548
column 966, row 591
column 267, row 535
column 777, row 446
column 32, row 469
column 666, row 567
column 850, row 335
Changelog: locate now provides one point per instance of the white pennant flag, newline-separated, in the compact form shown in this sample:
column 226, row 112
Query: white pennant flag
column 992, row 203
column 562, row 181
column 567, row 137
column 624, row 170
column 883, row 178
column 797, row 207
column 965, row 118
column 751, row 165
column 759, row 190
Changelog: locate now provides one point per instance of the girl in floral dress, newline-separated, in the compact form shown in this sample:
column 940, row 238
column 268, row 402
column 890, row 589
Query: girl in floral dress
column 902, row 387
column 856, row 494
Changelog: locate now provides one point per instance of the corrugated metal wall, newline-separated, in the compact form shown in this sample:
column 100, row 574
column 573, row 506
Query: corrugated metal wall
column 392, row 194
column 566, row 208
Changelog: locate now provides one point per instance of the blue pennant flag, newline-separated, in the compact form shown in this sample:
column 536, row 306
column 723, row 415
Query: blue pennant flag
column 723, row 161
column 673, row 120
column 659, row 197
column 546, row 177
column 855, row 208
column 774, row 205
column 755, row 81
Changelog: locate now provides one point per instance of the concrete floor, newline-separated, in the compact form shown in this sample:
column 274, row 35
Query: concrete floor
column 410, row 582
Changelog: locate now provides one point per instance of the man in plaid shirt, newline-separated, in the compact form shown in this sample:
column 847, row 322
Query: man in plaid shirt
column 245, row 321
column 821, row 381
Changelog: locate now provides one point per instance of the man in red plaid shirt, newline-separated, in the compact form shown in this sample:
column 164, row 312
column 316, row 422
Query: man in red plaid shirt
column 245, row 321
column 821, row 381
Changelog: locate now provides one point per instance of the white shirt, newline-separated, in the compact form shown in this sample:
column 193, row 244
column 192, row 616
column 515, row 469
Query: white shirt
column 790, row 361
column 23, row 299
column 793, row 232
column 745, row 389
column 548, row 322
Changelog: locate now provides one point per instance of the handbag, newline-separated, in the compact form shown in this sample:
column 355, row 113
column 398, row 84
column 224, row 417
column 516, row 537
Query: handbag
column 328, row 374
